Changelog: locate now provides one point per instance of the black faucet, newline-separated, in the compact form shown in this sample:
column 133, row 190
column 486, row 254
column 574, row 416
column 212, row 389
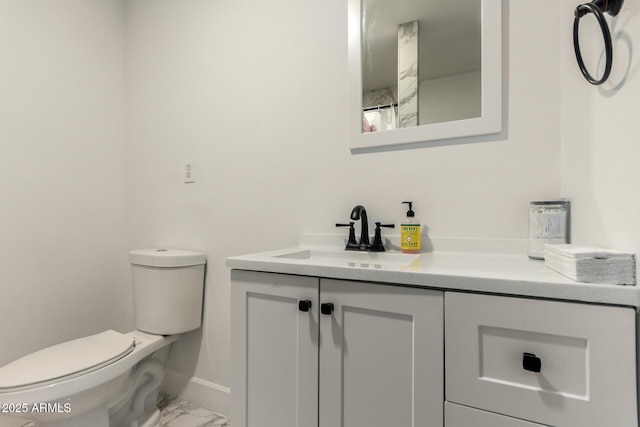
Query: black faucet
column 360, row 213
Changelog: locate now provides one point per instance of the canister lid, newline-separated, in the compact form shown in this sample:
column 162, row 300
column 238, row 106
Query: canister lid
column 166, row 258
column 549, row 202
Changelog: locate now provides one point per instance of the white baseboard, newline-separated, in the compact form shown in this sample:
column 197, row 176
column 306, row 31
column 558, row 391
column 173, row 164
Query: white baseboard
column 209, row 395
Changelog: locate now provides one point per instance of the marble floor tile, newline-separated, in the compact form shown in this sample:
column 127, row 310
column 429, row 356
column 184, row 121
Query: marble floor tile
column 180, row 413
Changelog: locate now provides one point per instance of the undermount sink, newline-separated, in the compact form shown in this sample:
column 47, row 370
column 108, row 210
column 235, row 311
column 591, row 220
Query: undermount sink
column 351, row 257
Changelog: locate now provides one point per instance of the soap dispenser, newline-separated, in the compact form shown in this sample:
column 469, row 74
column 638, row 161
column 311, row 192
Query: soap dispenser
column 410, row 232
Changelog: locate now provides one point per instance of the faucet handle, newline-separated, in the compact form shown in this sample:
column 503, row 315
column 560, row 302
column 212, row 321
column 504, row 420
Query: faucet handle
column 352, row 235
column 377, row 245
column 378, row 225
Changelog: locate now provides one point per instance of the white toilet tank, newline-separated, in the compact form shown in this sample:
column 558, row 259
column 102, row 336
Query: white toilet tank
column 168, row 286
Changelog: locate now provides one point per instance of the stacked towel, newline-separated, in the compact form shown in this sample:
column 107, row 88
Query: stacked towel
column 591, row 264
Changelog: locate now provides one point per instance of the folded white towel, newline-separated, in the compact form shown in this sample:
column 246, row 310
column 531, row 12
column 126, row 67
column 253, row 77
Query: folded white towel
column 587, row 252
column 592, row 264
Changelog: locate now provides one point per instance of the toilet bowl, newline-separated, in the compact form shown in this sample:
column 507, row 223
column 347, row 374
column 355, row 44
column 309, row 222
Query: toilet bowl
column 111, row 379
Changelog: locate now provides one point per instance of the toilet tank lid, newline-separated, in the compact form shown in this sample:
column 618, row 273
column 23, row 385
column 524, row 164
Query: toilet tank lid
column 166, row 258
column 66, row 360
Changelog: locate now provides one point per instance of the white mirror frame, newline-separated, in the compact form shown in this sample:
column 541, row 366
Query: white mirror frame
column 488, row 123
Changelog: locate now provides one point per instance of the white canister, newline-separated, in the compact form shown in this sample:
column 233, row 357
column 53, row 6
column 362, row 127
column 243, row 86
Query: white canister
column 548, row 223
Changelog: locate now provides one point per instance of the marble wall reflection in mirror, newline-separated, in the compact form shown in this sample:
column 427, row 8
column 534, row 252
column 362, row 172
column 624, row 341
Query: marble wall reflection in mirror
column 423, row 70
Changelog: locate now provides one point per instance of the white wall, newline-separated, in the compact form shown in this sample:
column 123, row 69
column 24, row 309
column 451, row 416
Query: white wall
column 600, row 133
column 255, row 93
column 450, row 98
column 62, row 216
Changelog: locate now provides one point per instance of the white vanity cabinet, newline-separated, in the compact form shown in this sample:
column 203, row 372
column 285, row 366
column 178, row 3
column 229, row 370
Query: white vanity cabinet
column 374, row 358
column 474, row 337
column 319, row 352
column 548, row 362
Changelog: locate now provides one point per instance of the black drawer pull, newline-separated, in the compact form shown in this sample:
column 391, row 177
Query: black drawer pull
column 326, row 308
column 531, row 362
column 304, row 305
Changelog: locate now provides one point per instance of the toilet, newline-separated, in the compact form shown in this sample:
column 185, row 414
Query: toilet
column 111, row 379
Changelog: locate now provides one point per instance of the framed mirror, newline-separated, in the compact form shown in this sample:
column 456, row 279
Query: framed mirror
column 423, row 70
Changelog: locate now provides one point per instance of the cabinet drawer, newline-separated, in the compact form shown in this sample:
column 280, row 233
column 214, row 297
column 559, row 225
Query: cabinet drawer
column 586, row 357
column 463, row 416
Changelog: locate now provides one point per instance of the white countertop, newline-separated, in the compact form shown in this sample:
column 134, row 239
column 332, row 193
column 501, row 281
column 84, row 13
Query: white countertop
column 489, row 266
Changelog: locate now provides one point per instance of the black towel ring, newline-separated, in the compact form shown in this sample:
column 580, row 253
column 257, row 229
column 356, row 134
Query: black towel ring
column 597, row 7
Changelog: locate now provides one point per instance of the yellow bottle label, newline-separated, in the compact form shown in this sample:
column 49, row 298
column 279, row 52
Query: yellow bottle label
column 410, row 237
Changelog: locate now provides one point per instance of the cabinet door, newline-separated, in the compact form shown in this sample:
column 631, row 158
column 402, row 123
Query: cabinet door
column 463, row 416
column 381, row 356
column 274, row 350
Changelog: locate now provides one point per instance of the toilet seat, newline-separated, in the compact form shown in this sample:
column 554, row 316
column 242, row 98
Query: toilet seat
column 65, row 361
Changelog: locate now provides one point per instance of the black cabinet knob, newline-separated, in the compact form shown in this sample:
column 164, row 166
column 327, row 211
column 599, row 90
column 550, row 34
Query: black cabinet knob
column 326, row 308
column 531, row 362
column 304, row 305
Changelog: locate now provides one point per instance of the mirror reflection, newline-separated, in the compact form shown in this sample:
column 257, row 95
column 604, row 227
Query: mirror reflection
column 421, row 62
